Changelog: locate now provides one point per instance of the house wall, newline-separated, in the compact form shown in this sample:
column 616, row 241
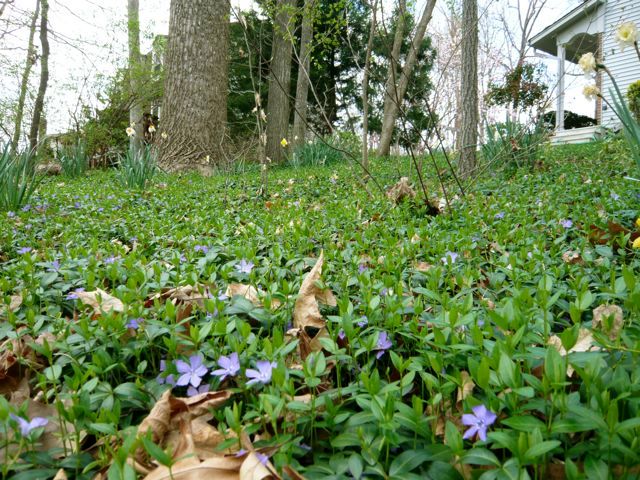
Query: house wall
column 625, row 66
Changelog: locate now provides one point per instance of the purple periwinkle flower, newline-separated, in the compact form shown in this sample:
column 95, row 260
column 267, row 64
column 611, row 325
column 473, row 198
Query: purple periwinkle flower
column 449, row 257
column 55, row 266
column 363, row 322
column 342, row 335
column 191, row 391
column 615, row 196
column 201, row 248
column 26, row 427
column 240, row 453
column 74, row 295
column 77, row 205
column 110, row 260
column 566, row 223
column 383, row 344
column 24, row 250
column 362, row 268
column 11, row 214
column 26, row 208
column 192, row 372
column 264, row 459
column 262, row 374
column 135, row 324
column 478, row 421
column 384, row 292
column 229, row 366
column 244, row 266
column 499, row 215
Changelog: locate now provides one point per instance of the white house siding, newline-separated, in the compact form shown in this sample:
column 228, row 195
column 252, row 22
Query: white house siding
column 625, row 66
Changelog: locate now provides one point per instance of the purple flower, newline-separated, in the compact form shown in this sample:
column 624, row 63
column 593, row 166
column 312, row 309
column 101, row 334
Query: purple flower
column 27, row 427
column 241, row 453
column 101, row 209
column 11, row 214
column 230, row 366
column 478, row 422
column 342, row 335
column 566, row 223
column 201, row 248
column 449, row 256
column 192, row 372
column 110, row 260
column 363, row 322
column 170, row 380
column 384, row 292
column 264, row 459
column 197, row 391
column 26, row 208
column 244, row 266
column 24, row 250
column 77, row 205
column 615, row 196
column 362, row 268
column 55, row 266
column 135, row 324
column 499, row 215
column 262, row 374
column 74, row 295
column 383, row 344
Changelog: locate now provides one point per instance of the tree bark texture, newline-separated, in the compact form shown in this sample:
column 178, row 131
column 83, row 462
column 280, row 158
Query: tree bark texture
column 469, row 88
column 278, row 106
column 44, row 76
column 304, row 74
column 365, row 87
column 393, row 71
column 389, row 120
column 24, row 83
column 194, row 106
column 135, row 109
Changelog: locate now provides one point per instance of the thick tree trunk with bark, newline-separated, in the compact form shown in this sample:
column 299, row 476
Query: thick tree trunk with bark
column 365, row 87
column 278, row 106
column 469, row 88
column 194, row 106
column 304, row 73
column 44, row 76
column 389, row 120
column 24, row 83
column 135, row 109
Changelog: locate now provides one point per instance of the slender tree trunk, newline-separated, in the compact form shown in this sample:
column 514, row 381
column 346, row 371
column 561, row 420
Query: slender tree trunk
column 389, row 120
column 194, row 106
column 135, row 109
column 44, row 76
column 365, row 87
column 390, row 91
column 469, row 88
column 278, row 105
column 24, row 84
column 304, row 73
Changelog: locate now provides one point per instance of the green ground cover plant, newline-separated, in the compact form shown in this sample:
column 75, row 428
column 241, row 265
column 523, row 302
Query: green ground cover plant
column 322, row 330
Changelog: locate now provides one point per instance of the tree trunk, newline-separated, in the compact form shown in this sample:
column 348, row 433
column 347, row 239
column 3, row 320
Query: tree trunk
column 365, row 87
column 135, row 109
column 390, row 91
column 278, row 107
column 389, row 120
column 44, row 77
column 194, row 106
column 304, row 73
column 469, row 88
column 24, row 84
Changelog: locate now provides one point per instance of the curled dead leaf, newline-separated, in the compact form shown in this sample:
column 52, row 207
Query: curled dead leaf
column 606, row 315
column 251, row 293
column 466, row 386
column 401, row 191
column 572, row 257
column 583, row 344
column 101, row 301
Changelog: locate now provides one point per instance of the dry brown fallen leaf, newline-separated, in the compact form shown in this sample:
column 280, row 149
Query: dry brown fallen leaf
column 608, row 311
column 61, row 475
column 401, row 191
column 466, row 387
column 169, row 413
column 422, row 266
column 572, row 257
column 251, row 293
column 306, row 313
column 583, row 344
column 15, row 352
column 101, row 301
column 14, row 303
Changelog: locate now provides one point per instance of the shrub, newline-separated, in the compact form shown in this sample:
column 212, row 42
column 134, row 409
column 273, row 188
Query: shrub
column 74, row 160
column 633, row 96
column 18, row 178
column 137, row 168
column 513, row 145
